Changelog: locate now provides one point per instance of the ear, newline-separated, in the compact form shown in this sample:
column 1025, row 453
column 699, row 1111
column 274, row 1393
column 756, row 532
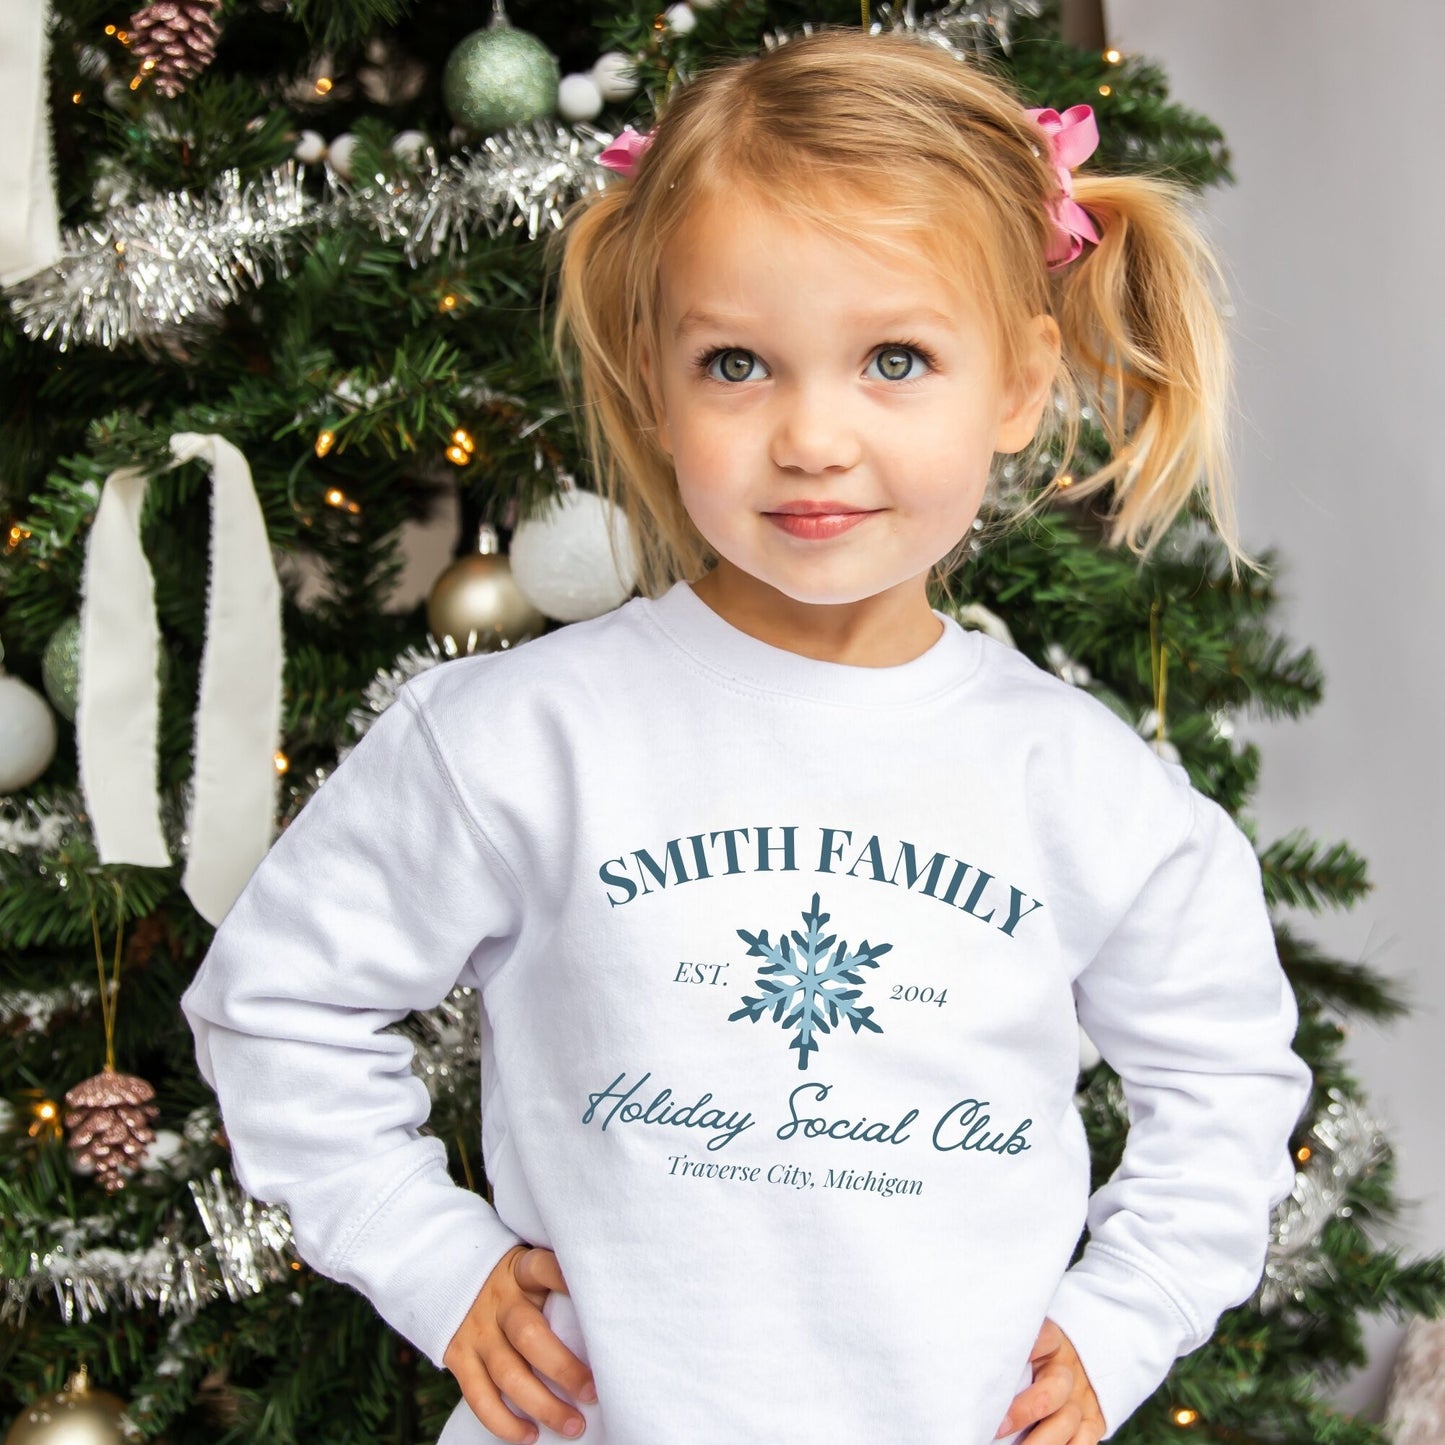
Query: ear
column 654, row 399
column 1026, row 405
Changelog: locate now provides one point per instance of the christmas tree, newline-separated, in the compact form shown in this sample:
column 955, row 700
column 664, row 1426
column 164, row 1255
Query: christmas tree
column 299, row 304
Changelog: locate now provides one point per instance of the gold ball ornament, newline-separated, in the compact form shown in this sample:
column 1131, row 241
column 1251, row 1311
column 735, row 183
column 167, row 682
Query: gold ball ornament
column 476, row 606
column 76, row 1415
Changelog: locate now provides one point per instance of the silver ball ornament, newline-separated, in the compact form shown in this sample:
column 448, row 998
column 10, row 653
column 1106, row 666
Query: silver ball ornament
column 499, row 77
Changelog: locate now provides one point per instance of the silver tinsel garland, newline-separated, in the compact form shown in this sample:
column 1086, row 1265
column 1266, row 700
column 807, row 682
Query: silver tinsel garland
column 1351, row 1144
column 171, row 259
column 250, row 1247
column 163, row 261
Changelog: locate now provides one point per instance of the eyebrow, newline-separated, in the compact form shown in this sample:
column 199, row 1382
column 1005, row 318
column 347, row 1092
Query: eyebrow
column 696, row 319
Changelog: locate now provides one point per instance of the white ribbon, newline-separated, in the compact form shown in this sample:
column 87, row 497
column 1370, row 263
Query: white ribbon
column 238, row 714
column 29, row 224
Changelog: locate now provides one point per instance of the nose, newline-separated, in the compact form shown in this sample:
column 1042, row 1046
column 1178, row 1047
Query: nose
column 813, row 430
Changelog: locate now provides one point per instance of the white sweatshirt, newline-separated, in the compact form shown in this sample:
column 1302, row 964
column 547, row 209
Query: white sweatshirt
column 781, row 964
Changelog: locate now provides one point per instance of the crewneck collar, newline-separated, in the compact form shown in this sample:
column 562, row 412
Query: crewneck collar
column 739, row 657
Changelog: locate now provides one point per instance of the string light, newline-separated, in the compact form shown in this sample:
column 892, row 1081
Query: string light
column 447, row 303
column 135, row 83
column 323, row 85
column 75, row 97
column 283, row 763
column 46, row 1121
column 335, row 497
column 110, row 29
column 1106, row 90
column 16, row 536
column 1064, row 479
column 1304, row 1153
column 1185, row 1416
column 325, row 440
column 1113, row 56
column 462, row 447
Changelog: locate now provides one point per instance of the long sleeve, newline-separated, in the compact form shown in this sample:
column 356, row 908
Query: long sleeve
column 1187, row 1001
column 367, row 907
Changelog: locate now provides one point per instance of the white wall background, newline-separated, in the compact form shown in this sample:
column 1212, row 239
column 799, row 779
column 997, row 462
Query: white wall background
column 1332, row 239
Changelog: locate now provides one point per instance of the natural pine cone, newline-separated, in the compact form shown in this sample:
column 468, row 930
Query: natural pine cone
column 174, row 40
column 108, row 1122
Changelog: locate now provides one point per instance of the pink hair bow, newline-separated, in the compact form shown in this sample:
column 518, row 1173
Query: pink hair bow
column 624, row 152
column 1072, row 138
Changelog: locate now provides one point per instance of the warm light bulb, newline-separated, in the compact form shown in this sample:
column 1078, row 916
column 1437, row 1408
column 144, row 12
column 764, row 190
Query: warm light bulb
column 135, row 83
column 335, row 497
column 323, row 85
column 1112, row 56
column 110, row 29
column 1065, row 479
column 1185, row 1416
column 282, row 762
column 1304, row 1153
column 447, row 303
column 458, row 455
column 47, row 1110
column 464, row 440
column 1106, row 90
column 147, row 64
column 75, row 97
column 325, row 440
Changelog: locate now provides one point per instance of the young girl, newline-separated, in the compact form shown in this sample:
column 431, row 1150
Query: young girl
column 785, row 895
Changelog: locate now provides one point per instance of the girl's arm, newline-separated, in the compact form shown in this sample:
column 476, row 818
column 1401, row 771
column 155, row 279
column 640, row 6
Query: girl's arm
column 1188, row 1003
column 366, row 908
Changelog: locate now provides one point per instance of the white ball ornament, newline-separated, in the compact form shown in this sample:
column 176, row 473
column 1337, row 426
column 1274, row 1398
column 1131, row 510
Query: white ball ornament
column 339, row 154
column 615, row 74
column 27, row 734
column 162, row 1149
column 562, row 559
column 680, row 19
column 310, row 147
column 578, row 98
column 409, row 144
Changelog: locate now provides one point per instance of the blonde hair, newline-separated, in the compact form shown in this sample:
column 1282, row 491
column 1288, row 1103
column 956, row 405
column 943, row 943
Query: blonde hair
column 892, row 141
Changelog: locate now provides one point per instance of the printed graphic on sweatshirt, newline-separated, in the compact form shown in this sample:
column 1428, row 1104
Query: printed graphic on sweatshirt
column 642, row 872
column 806, row 990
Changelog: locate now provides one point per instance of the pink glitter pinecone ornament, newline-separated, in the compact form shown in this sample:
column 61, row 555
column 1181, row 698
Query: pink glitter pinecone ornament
column 174, row 40
column 108, row 1118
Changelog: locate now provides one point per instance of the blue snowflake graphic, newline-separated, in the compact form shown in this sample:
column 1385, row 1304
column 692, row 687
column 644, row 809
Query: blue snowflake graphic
column 800, row 989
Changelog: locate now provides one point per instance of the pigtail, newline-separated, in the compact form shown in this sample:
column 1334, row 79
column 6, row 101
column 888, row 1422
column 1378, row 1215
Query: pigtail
column 1144, row 340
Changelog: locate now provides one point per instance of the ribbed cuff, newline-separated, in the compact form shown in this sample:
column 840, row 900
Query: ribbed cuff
column 423, row 1257
column 1125, row 1328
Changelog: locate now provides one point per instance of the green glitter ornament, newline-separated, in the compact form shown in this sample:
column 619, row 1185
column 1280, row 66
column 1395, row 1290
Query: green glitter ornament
column 499, row 77
column 60, row 667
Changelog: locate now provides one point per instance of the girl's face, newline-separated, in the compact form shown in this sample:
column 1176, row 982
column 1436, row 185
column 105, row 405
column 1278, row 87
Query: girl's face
column 793, row 368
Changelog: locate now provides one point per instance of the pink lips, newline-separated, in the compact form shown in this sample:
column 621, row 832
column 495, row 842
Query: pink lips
column 819, row 524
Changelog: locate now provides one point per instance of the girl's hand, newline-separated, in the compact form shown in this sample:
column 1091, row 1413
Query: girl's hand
column 1061, row 1397
column 503, row 1336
